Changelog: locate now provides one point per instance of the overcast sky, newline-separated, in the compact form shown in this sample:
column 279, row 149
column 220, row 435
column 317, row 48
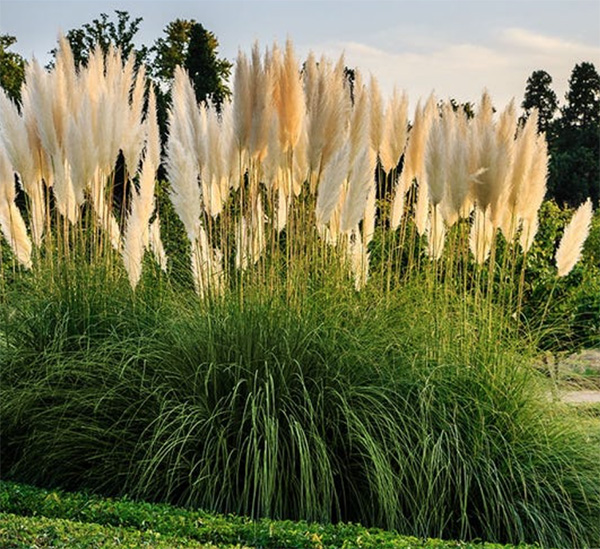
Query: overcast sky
column 452, row 47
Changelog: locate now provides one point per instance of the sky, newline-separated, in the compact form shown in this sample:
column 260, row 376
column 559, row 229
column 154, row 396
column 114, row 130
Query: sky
column 454, row 48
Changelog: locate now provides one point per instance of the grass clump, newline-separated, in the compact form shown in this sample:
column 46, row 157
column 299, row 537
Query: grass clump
column 332, row 407
column 339, row 346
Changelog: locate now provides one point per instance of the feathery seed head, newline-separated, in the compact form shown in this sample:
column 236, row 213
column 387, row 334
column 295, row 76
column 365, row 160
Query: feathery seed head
column 575, row 235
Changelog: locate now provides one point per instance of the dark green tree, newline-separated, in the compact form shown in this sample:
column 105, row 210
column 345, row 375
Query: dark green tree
column 171, row 50
column 103, row 31
column 12, row 68
column 574, row 141
column 207, row 72
column 539, row 94
column 583, row 98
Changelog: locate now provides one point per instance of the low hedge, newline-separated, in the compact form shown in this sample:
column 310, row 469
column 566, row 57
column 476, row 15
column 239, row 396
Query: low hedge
column 34, row 517
column 18, row 532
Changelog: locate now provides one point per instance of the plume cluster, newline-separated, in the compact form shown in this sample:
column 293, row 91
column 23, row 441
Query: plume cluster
column 65, row 140
column 294, row 153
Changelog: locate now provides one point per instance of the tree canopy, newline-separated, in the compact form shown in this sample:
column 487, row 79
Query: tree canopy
column 12, row 68
column 207, row 72
column 104, row 32
column 539, row 95
column 583, row 98
column 573, row 137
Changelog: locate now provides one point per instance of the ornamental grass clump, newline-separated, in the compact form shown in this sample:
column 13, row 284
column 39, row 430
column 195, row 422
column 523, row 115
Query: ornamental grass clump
column 338, row 334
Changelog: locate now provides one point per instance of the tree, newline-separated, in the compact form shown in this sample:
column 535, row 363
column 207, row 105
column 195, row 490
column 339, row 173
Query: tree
column 583, row 97
column 171, row 50
column 106, row 33
column 574, row 141
column 12, row 68
column 538, row 94
column 207, row 72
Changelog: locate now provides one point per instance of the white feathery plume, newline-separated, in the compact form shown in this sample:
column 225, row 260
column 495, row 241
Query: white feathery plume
column 360, row 181
column 398, row 201
column 272, row 163
column 185, row 191
column 242, row 100
column 370, row 213
column 232, row 158
column 481, row 235
column 133, row 142
column 214, row 171
column 81, row 151
column 415, row 149
column 457, row 200
column 282, row 209
column 310, row 76
column 416, row 162
column 49, row 109
column 332, row 232
column 533, row 192
column 358, row 255
column 328, row 117
column 329, row 191
column 186, row 119
column 485, row 142
column 289, row 98
column 152, row 130
column 436, row 233
column 261, row 88
column 242, row 245
column 571, row 244
column 506, row 132
column 136, row 238
column 422, row 206
column 376, row 103
column 395, row 131
column 11, row 222
column 103, row 212
column 529, row 228
column 524, row 149
column 300, row 158
column 435, row 162
column 17, row 142
column 40, row 94
column 15, row 138
column 359, row 120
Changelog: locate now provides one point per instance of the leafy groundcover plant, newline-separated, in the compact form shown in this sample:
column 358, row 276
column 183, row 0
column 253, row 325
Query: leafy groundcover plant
column 57, row 519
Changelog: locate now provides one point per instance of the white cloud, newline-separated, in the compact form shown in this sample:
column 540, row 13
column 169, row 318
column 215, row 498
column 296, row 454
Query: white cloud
column 462, row 69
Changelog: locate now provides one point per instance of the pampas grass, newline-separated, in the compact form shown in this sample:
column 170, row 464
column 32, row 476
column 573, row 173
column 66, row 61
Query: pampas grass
column 11, row 222
column 284, row 171
column 278, row 211
column 571, row 244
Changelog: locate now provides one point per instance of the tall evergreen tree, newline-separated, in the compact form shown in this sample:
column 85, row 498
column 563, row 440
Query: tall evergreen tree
column 539, row 94
column 575, row 141
column 207, row 72
column 583, row 97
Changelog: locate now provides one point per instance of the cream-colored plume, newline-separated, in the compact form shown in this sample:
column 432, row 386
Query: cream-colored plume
column 575, row 235
column 481, row 236
column 11, row 222
column 395, row 131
